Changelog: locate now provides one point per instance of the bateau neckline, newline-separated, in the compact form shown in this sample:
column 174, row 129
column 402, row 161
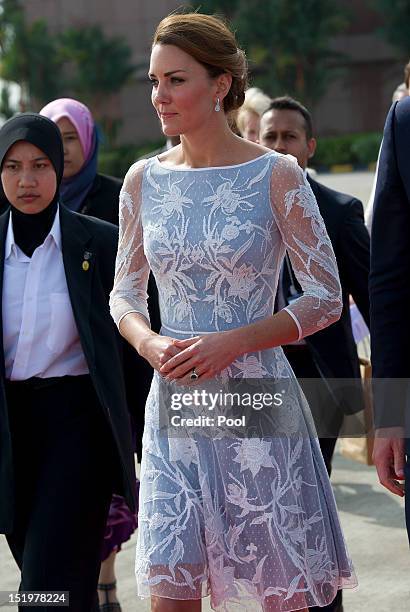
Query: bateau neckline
column 175, row 169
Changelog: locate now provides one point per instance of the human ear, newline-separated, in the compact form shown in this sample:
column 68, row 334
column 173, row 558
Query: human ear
column 311, row 147
column 223, row 85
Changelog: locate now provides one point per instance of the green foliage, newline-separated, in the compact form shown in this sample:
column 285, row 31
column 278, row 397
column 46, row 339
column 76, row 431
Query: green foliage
column 80, row 62
column 116, row 161
column 221, row 7
column 334, row 150
column 365, row 147
column 396, row 23
column 99, row 65
column 6, row 110
column 295, row 38
column 29, row 55
column 359, row 149
column 287, row 42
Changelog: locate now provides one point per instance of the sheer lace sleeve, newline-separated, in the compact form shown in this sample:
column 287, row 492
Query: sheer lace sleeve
column 129, row 293
column 308, row 245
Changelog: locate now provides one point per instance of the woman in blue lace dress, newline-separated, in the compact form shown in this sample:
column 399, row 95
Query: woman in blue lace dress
column 250, row 521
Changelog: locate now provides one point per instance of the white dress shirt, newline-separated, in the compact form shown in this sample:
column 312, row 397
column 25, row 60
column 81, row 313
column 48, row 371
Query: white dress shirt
column 40, row 336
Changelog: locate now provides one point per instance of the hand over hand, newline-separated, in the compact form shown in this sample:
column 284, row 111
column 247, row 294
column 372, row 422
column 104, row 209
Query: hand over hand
column 209, row 355
column 157, row 350
column 389, row 458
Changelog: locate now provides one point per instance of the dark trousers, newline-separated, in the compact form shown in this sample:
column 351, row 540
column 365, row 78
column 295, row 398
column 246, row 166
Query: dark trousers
column 63, row 456
column 305, row 368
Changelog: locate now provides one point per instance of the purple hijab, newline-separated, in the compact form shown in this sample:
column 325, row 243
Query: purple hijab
column 74, row 190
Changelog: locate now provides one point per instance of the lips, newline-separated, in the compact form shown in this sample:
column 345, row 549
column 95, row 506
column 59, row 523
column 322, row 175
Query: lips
column 28, row 197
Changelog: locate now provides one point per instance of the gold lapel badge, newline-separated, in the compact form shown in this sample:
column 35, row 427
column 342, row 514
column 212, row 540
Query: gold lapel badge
column 86, row 263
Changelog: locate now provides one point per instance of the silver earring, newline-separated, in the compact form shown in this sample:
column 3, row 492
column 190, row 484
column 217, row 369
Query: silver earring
column 217, row 105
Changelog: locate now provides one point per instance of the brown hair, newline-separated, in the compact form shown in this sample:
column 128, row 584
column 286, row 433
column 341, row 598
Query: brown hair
column 211, row 43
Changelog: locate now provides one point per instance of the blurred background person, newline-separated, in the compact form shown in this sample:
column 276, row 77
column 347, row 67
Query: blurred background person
column 249, row 114
column 287, row 128
column 83, row 189
column 86, row 191
column 401, row 91
column 390, row 304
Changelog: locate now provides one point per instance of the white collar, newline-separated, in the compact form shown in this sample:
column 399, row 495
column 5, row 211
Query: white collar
column 55, row 234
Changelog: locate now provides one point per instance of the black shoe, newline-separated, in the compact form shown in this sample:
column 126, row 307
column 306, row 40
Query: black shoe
column 108, row 606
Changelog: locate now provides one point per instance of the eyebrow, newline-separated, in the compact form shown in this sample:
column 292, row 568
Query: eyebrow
column 273, row 131
column 151, row 74
column 17, row 161
column 69, row 132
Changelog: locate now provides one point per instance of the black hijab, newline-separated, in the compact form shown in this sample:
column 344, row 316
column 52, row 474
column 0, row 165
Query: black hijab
column 30, row 230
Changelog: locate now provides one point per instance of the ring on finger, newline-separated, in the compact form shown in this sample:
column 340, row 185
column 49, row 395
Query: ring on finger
column 194, row 374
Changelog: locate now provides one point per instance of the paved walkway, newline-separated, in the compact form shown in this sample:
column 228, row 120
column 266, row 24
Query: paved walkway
column 358, row 184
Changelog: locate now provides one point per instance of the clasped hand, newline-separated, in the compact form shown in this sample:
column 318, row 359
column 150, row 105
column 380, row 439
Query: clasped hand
column 175, row 359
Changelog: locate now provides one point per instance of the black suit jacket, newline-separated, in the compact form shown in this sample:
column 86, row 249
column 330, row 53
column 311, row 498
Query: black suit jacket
column 102, row 202
column 390, row 270
column 89, row 293
column 102, row 199
column 333, row 349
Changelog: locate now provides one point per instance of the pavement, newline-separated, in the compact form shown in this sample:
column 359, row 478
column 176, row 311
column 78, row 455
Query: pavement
column 358, row 184
column 371, row 517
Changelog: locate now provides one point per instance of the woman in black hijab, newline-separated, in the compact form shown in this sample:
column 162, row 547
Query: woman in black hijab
column 65, row 443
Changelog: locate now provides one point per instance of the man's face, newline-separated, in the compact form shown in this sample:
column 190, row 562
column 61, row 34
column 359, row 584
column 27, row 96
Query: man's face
column 284, row 131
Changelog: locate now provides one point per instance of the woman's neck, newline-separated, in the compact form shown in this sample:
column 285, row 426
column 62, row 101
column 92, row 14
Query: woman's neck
column 207, row 146
column 211, row 146
column 30, row 230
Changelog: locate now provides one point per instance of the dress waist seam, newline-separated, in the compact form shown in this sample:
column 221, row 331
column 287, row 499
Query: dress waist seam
column 189, row 332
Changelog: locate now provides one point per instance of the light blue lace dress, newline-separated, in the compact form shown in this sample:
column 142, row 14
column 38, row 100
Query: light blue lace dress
column 250, row 521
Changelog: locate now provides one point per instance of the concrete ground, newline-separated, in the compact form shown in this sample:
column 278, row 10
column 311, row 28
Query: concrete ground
column 358, row 184
column 372, row 518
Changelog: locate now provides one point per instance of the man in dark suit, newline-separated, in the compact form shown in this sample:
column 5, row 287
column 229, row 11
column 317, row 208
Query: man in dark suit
column 320, row 361
column 390, row 305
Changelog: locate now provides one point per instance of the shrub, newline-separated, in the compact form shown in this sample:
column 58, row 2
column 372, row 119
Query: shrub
column 116, row 161
column 349, row 149
column 365, row 147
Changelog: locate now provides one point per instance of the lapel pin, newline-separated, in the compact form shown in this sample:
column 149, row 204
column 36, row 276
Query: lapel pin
column 86, row 264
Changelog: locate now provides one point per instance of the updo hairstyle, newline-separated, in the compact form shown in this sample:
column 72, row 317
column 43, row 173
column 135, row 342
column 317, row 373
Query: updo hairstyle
column 211, row 43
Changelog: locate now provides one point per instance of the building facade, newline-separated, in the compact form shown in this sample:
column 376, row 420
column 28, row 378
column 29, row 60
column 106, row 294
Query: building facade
column 356, row 101
column 135, row 20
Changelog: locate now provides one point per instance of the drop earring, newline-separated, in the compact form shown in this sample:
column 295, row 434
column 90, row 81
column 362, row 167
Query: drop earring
column 217, row 105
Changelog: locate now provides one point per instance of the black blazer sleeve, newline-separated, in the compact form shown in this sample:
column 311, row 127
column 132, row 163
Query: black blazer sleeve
column 354, row 257
column 390, row 269
column 390, row 262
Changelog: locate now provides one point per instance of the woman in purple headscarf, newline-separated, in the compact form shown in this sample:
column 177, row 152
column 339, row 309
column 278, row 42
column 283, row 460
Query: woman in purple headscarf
column 84, row 190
